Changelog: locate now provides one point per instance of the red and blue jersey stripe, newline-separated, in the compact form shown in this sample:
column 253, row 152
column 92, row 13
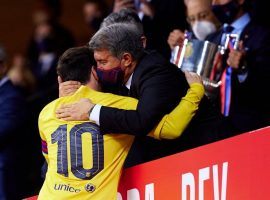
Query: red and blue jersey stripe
column 44, row 147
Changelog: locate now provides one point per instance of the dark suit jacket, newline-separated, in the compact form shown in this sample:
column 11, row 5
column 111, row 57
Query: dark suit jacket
column 169, row 15
column 250, row 108
column 159, row 87
column 11, row 118
column 11, row 106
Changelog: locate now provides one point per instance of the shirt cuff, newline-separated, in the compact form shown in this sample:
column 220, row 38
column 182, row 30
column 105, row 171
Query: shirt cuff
column 94, row 115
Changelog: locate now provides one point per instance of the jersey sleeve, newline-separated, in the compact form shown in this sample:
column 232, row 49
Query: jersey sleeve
column 44, row 146
column 170, row 127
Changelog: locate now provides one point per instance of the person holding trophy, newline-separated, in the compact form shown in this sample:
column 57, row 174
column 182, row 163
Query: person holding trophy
column 242, row 97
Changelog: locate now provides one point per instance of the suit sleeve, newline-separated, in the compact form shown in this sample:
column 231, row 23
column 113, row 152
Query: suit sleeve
column 170, row 127
column 252, row 90
column 159, row 93
column 11, row 117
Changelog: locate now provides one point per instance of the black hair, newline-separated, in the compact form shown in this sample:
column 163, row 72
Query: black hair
column 76, row 64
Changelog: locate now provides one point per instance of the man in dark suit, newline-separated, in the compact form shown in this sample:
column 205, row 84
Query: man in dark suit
column 147, row 76
column 11, row 119
column 249, row 103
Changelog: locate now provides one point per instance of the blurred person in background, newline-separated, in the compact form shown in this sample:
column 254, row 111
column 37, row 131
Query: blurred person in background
column 12, row 118
column 201, row 19
column 94, row 12
column 43, row 64
column 242, row 97
column 50, row 39
column 142, row 7
column 158, row 18
column 49, row 12
column 21, row 75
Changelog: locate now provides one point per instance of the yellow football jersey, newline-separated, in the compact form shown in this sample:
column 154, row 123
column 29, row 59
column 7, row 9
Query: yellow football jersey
column 82, row 164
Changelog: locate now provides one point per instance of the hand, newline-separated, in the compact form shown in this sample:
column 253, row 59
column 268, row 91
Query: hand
column 18, row 61
column 147, row 9
column 75, row 112
column 236, row 56
column 67, row 88
column 217, row 63
column 175, row 38
column 121, row 4
column 192, row 77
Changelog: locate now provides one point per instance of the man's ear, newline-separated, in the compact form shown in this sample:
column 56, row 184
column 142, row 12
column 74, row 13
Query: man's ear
column 59, row 79
column 127, row 59
column 94, row 84
column 144, row 41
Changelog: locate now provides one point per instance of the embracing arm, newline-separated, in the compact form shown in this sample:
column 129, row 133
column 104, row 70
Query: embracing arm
column 126, row 105
column 171, row 127
column 158, row 95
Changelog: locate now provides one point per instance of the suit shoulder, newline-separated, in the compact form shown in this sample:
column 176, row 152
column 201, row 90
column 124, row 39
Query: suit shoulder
column 256, row 29
column 11, row 90
column 153, row 62
column 11, row 95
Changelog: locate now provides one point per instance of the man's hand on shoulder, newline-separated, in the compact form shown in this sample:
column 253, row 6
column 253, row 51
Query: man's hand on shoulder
column 75, row 112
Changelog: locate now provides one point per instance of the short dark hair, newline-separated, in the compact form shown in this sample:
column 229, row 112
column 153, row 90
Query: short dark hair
column 76, row 64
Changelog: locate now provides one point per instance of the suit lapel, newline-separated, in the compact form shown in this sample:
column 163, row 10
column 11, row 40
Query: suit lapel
column 246, row 32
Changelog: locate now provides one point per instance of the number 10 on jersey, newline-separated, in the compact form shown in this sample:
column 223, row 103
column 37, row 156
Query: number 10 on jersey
column 76, row 159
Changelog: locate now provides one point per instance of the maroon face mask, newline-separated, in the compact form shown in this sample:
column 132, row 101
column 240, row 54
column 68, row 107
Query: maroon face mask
column 111, row 77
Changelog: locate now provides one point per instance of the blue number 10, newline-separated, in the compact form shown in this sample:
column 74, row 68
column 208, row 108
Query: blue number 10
column 60, row 137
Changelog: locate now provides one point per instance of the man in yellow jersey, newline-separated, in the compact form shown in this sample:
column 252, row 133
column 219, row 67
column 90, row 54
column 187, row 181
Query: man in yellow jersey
column 82, row 163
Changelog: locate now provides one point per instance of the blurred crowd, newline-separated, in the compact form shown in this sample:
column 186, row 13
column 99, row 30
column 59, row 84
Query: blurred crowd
column 30, row 82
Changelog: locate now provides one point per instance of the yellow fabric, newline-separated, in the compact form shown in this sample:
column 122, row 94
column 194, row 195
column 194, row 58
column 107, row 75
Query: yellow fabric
column 116, row 146
column 173, row 124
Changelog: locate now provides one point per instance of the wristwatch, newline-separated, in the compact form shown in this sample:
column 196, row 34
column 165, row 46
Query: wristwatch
column 91, row 109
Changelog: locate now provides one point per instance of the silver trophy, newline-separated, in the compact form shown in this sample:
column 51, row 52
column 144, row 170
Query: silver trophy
column 204, row 58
